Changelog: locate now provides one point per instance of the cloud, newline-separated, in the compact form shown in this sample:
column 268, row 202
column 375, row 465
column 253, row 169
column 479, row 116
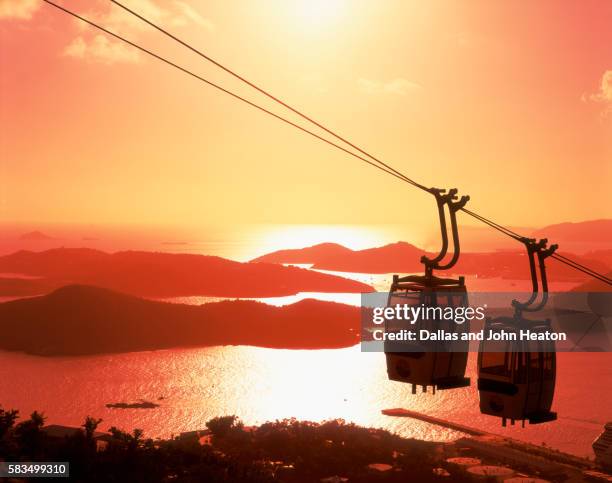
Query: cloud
column 92, row 46
column 174, row 13
column 19, row 9
column 604, row 94
column 101, row 49
column 605, row 89
column 398, row 86
column 189, row 14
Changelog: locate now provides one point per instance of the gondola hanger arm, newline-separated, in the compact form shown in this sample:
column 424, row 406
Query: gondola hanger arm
column 535, row 248
column 445, row 198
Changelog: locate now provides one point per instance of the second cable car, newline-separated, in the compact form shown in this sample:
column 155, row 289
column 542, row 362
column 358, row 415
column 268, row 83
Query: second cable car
column 516, row 377
column 439, row 364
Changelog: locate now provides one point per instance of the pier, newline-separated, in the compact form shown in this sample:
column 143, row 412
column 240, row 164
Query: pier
column 407, row 413
column 543, row 461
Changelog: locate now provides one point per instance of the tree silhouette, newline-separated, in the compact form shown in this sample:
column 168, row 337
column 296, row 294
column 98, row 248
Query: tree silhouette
column 220, row 426
column 7, row 420
column 29, row 434
column 132, row 441
column 90, row 425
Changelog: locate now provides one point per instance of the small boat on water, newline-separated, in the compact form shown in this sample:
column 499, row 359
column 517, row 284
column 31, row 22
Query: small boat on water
column 602, row 447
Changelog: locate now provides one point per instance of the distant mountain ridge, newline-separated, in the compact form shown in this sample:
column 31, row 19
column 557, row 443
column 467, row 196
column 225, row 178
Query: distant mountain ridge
column 402, row 257
column 583, row 231
column 158, row 274
column 322, row 251
column 78, row 320
column 395, row 257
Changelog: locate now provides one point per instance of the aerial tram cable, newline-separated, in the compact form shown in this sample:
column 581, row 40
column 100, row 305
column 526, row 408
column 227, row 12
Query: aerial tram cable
column 291, row 108
column 232, row 72
column 226, row 91
column 373, row 161
column 266, row 93
column 556, row 256
column 492, row 224
column 526, row 391
column 444, row 366
column 582, row 268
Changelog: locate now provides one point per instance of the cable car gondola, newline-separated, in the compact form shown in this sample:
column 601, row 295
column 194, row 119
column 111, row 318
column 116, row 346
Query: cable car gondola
column 440, row 364
column 516, row 376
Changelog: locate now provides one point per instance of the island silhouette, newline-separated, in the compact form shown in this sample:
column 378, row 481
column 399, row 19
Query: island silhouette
column 395, row 257
column 79, row 320
column 577, row 232
column 402, row 257
column 159, row 275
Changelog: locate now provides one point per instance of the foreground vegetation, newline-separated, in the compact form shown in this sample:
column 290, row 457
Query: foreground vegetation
column 288, row 450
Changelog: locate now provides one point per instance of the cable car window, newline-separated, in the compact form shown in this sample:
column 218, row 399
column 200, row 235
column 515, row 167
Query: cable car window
column 548, row 365
column 520, row 367
column 429, row 300
column 444, row 300
column 401, row 299
column 535, row 363
column 496, row 363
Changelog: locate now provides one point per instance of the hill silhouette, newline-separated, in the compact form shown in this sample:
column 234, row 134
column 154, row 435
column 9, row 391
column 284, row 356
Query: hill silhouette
column 154, row 274
column 395, row 257
column 313, row 254
column 584, row 231
column 77, row 320
column 403, row 257
column 594, row 285
column 514, row 265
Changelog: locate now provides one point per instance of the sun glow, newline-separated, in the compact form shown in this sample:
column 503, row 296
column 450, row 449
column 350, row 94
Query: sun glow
column 299, row 236
column 314, row 13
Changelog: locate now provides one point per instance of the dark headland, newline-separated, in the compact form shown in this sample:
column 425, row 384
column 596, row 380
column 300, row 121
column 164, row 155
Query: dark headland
column 78, row 320
column 156, row 274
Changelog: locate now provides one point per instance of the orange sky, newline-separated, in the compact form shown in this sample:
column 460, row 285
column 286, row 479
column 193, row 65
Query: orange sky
column 509, row 101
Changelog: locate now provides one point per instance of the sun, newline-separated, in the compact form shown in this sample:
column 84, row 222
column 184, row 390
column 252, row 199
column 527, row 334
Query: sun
column 316, row 13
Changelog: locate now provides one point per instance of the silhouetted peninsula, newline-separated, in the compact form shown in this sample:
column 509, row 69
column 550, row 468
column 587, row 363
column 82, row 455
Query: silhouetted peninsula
column 77, row 320
column 142, row 404
column 154, row 274
column 395, row 257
